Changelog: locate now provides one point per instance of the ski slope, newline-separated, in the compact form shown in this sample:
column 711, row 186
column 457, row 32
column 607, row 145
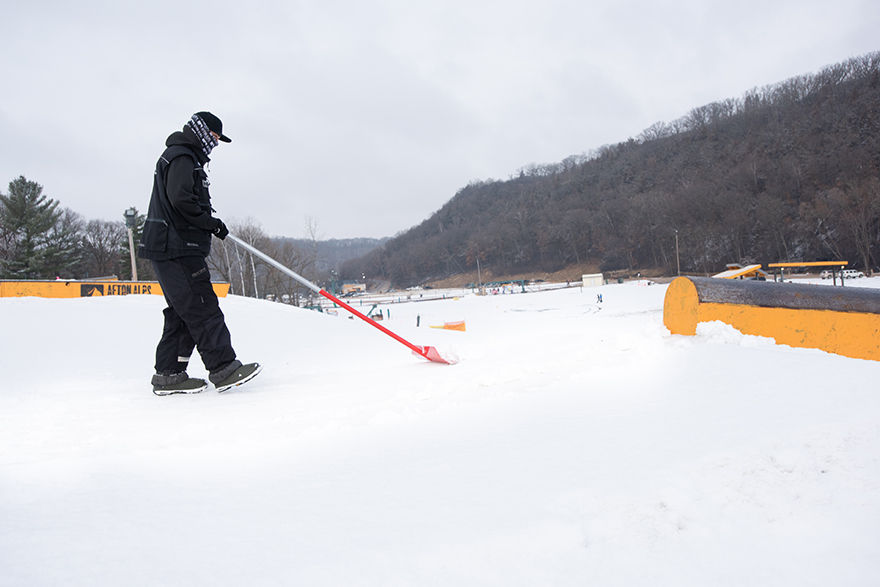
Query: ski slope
column 575, row 443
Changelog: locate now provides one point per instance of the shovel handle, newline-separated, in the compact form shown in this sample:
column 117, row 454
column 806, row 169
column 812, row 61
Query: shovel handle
column 427, row 352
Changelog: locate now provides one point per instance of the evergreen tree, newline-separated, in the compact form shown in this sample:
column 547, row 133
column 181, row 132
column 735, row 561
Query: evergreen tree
column 26, row 218
column 64, row 254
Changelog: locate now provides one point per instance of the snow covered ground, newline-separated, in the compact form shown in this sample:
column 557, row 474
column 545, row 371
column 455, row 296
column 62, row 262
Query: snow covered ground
column 575, row 443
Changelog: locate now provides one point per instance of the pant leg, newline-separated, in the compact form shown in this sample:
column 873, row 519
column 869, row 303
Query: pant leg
column 176, row 345
column 185, row 346
column 186, row 283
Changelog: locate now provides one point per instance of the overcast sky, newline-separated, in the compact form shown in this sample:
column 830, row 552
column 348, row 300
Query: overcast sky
column 364, row 117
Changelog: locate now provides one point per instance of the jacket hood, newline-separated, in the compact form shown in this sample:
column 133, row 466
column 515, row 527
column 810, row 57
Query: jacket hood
column 187, row 138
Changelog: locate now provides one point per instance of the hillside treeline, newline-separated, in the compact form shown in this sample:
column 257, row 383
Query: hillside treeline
column 316, row 260
column 788, row 172
column 330, row 254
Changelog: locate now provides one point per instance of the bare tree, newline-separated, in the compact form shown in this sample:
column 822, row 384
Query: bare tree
column 102, row 242
column 235, row 266
column 859, row 210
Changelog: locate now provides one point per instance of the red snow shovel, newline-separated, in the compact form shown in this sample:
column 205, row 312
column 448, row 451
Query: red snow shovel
column 428, row 352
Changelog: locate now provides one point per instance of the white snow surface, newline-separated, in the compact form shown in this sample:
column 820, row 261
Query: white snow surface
column 575, row 443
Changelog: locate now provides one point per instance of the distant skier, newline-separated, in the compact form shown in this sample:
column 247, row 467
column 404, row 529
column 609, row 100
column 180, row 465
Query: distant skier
column 177, row 240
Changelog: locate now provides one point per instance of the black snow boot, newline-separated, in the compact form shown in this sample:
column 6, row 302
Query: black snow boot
column 234, row 374
column 171, row 383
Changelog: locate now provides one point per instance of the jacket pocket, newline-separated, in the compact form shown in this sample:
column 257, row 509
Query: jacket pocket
column 155, row 236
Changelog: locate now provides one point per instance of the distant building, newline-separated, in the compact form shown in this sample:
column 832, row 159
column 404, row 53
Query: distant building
column 593, row 279
column 348, row 288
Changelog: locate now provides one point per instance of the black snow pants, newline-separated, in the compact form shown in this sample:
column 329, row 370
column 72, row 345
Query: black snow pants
column 192, row 318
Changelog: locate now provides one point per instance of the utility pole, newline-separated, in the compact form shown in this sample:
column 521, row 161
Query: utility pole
column 677, row 262
column 130, row 216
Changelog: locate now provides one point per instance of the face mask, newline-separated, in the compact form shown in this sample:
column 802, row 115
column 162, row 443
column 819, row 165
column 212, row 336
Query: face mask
column 202, row 131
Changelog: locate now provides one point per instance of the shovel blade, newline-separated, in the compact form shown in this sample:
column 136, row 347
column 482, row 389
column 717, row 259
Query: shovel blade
column 433, row 355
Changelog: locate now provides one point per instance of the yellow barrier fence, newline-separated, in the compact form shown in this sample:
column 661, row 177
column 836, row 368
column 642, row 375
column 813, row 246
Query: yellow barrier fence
column 84, row 289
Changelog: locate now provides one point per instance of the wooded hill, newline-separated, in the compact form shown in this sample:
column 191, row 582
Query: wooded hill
column 330, row 254
column 788, row 172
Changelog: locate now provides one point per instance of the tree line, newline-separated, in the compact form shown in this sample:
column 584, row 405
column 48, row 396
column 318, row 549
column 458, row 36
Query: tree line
column 788, row 172
column 41, row 240
column 313, row 258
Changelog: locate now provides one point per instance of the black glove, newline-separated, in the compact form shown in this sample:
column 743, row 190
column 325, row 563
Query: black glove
column 220, row 230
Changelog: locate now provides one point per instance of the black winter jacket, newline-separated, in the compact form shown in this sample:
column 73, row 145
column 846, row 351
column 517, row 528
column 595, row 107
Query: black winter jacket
column 179, row 221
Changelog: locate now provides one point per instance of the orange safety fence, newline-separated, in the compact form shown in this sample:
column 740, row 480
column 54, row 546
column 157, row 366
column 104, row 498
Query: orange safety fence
column 460, row 326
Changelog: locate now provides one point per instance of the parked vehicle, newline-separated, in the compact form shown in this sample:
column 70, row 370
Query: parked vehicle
column 851, row 273
column 826, row 274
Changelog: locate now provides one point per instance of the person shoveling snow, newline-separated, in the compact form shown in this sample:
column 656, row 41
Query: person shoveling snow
column 177, row 240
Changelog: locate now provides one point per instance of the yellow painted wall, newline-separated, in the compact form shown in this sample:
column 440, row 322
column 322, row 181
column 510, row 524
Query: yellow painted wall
column 77, row 289
column 852, row 334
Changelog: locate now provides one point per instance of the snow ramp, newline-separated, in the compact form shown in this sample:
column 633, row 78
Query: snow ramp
column 845, row 321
